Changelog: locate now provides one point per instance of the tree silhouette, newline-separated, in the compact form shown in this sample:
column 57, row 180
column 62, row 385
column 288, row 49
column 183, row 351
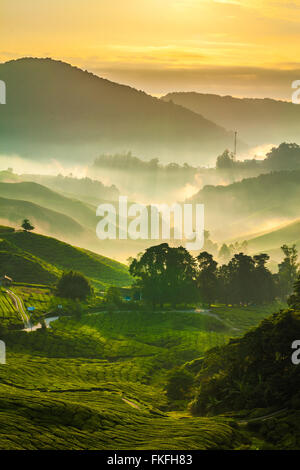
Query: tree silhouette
column 26, row 225
column 294, row 299
column 288, row 270
column 73, row 285
column 165, row 274
column 207, row 277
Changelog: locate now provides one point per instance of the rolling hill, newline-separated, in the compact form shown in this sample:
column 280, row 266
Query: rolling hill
column 273, row 239
column 55, row 110
column 252, row 205
column 247, row 115
column 255, row 372
column 34, row 258
column 13, row 211
column 66, row 218
column 83, row 213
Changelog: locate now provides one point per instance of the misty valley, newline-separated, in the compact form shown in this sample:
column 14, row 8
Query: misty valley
column 150, row 277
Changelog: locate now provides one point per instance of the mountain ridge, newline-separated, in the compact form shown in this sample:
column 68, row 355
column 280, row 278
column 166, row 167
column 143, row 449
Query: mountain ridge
column 246, row 115
column 55, row 109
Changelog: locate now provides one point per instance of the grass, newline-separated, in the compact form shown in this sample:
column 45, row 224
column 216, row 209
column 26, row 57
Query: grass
column 57, row 256
column 8, row 314
column 241, row 319
column 95, row 420
column 76, row 210
column 53, row 221
column 66, row 387
column 161, row 339
column 98, row 382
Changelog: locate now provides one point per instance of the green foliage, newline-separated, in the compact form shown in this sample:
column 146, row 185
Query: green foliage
column 225, row 161
column 9, row 316
column 179, row 383
column 240, row 319
column 26, row 225
column 165, row 274
column 35, row 258
column 284, row 157
column 252, row 372
column 294, row 299
column 74, row 285
column 74, row 385
column 287, row 271
column 112, row 298
column 172, row 275
column 207, row 277
column 5, row 229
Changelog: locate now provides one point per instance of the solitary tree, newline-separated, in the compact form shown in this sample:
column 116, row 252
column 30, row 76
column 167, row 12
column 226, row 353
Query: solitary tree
column 26, row 226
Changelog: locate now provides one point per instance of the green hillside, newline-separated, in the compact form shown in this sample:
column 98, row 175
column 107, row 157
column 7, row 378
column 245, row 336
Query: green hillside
column 99, row 383
column 7, row 176
column 82, row 213
column 249, row 205
column 289, row 233
column 30, row 257
column 92, row 384
column 255, row 374
column 66, row 218
column 13, row 211
column 83, row 189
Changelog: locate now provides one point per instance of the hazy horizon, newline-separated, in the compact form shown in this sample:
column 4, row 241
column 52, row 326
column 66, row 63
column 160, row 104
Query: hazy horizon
column 241, row 48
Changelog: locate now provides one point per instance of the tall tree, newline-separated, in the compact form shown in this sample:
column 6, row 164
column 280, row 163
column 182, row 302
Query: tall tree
column 264, row 280
column 242, row 279
column 294, row 299
column 165, row 274
column 207, row 277
column 287, row 271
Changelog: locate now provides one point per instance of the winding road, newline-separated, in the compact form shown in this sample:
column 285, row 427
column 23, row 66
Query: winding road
column 20, row 307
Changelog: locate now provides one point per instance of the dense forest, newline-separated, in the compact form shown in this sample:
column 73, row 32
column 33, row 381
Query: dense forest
column 172, row 275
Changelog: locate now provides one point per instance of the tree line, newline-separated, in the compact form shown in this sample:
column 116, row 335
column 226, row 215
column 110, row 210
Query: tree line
column 171, row 275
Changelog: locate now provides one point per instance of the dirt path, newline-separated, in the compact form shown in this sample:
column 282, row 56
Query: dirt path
column 19, row 306
column 131, row 403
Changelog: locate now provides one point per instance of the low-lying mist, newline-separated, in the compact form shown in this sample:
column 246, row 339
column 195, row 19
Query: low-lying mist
column 239, row 204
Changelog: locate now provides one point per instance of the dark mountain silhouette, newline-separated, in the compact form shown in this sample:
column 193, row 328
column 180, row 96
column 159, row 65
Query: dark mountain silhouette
column 56, row 110
column 258, row 121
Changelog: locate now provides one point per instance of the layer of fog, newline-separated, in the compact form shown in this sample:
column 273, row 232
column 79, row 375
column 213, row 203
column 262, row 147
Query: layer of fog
column 140, row 188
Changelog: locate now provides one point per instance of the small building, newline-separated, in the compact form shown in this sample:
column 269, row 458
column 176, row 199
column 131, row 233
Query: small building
column 5, row 281
column 130, row 293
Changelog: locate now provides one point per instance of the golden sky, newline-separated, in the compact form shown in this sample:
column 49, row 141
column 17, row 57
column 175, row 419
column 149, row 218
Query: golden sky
column 153, row 43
